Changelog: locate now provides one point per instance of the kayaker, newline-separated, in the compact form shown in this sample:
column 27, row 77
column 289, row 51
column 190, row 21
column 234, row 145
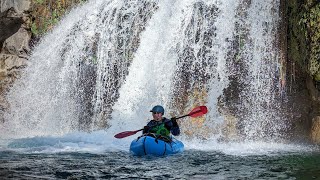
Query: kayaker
column 161, row 125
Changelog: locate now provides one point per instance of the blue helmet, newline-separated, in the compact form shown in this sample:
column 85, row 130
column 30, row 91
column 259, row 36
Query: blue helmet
column 158, row 108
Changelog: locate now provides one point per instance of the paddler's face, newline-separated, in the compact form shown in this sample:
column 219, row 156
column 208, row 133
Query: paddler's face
column 157, row 116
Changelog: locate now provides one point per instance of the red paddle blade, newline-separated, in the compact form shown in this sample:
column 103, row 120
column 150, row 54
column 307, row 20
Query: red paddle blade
column 198, row 111
column 126, row 134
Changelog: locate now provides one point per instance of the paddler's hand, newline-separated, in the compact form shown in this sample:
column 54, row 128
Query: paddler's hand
column 145, row 129
column 174, row 122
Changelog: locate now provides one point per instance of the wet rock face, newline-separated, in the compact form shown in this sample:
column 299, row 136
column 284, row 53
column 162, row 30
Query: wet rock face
column 14, row 20
column 14, row 44
column 18, row 43
column 8, row 26
column 19, row 6
column 315, row 131
column 303, row 36
column 14, row 35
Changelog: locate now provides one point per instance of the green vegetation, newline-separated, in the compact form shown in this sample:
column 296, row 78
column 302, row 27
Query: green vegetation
column 311, row 21
column 47, row 13
column 39, row 1
column 34, row 29
column 304, row 35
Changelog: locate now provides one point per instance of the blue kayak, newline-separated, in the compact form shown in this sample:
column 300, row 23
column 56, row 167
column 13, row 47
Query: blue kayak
column 150, row 145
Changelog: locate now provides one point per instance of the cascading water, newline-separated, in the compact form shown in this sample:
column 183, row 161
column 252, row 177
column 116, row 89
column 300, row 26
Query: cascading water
column 256, row 63
column 151, row 73
column 72, row 85
column 263, row 120
column 108, row 62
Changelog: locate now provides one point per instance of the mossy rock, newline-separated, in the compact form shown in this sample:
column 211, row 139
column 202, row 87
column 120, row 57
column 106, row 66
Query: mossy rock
column 316, row 77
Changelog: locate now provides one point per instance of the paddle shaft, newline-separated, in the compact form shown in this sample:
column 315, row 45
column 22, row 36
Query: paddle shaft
column 168, row 121
column 202, row 110
column 188, row 114
column 129, row 133
column 178, row 118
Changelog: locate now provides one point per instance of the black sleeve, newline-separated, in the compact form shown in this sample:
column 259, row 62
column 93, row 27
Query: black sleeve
column 145, row 129
column 173, row 126
column 174, row 122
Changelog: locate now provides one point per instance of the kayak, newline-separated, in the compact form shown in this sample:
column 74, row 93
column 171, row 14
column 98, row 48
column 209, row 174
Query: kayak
column 150, row 145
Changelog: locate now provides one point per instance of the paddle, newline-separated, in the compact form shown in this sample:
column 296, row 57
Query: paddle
column 196, row 112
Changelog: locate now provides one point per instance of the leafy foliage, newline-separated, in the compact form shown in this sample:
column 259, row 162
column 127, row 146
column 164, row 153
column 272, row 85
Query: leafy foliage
column 310, row 25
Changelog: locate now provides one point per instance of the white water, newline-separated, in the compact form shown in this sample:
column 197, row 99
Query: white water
column 264, row 120
column 151, row 73
column 72, row 67
column 45, row 102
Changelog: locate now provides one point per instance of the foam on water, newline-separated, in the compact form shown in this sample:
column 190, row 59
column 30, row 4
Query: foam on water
column 95, row 142
column 91, row 48
column 249, row 148
column 100, row 142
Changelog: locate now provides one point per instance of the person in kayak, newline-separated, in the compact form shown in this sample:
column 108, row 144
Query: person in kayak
column 161, row 125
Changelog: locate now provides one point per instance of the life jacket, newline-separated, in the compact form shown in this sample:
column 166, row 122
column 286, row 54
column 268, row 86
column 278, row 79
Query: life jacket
column 160, row 130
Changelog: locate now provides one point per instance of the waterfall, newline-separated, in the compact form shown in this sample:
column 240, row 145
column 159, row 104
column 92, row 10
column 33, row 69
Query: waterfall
column 108, row 62
column 153, row 67
column 75, row 71
column 260, row 104
column 264, row 71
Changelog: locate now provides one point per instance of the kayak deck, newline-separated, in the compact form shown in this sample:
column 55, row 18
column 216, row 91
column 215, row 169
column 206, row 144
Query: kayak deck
column 149, row 145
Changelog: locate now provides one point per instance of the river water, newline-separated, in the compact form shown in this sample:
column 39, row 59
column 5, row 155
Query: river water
column 108, row 62
column 94, row 156
column 191, row 164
